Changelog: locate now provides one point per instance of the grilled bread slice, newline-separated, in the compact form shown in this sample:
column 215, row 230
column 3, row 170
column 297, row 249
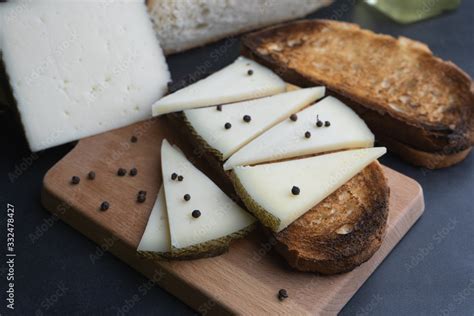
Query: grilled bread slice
column 402, row 91
column 341, row 232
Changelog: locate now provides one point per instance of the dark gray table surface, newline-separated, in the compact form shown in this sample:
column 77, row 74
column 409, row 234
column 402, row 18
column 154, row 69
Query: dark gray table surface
column 431, row 271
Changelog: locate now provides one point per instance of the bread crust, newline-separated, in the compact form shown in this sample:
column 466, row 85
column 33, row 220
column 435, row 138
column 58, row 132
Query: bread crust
column 237, row 29
column 285, row 49
column 429, row 160
column 339, row 234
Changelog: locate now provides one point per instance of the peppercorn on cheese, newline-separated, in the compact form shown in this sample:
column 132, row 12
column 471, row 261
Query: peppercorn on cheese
column 278, row 193
column 328, row 125
column 242, row 80
column 224, row 129
column 208, row 219
column 156, row 237
column 79, row 68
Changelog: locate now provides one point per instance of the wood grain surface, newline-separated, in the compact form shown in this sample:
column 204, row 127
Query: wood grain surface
column 245, row 280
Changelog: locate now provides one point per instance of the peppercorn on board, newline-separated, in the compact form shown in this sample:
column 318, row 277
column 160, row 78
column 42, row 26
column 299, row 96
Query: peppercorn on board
column 254, row 270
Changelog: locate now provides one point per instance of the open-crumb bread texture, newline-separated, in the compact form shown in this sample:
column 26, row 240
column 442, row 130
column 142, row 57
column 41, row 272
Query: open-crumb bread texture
column 397, row 86
column 341, row 232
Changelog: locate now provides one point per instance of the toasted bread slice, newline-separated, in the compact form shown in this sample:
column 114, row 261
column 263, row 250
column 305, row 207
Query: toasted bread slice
column 396, row 85
column 333, row 253
column 342, row 231
column 429, row 160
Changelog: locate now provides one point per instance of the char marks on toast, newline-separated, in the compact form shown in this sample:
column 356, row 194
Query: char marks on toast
column 342, row 231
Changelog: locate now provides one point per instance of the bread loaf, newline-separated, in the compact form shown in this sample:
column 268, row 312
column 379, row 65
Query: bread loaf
column 181, row 25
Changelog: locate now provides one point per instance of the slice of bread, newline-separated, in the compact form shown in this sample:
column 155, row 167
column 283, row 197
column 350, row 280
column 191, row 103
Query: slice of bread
column 397, row 86
column 181, row 25
column 342, row 231
column 367, row 193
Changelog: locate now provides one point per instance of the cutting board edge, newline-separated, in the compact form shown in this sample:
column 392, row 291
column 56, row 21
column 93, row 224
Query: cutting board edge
column 417, row 209
column 196, row 297
column 193, row 297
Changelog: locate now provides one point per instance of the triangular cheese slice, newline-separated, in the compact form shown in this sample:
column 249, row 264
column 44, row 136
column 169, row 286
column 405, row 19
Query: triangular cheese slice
column 287, row 139
column 248, row 119
column 242, row 80
column 267, row 190
column 220, row 220
column 156, row 238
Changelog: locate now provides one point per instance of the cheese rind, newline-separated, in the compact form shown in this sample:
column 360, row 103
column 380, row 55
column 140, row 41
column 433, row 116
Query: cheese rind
column 80, row 68
column 230, row 84
column 156, row 237
column 267, row 189
column 287, row 139
column 220, row 216
column 208, row 123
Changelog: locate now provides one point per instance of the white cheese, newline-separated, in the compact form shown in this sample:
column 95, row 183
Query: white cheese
column 230, row 84
column 270, row 185
column 209, row 123
column 220, row 216
column 156, row 237
column 78, row 68
column 287, row 139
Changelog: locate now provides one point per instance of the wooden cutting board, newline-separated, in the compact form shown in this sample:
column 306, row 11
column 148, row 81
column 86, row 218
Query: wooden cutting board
column 247, row 278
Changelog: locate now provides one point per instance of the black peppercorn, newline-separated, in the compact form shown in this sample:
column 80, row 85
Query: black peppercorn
column 282, row 294
column 219, row 107
column 227, row 125
column 75, row 180
column 104, row 206
column 250, row 72
column 307, row 134
column 293, row 117
column 133, row 172
column 295, row 190
column 174, row 176
column 327, row 123
column 141, row 197
column 91, row 175
column 196, row 213
column 247, row 118
column 187, row 197
column 180, row 178
column 319, row 123
column 121, row 172
column 134, row 139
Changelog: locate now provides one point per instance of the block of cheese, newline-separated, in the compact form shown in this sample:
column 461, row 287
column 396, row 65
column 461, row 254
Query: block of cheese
column 202, row 218
column 224, row 129
column 156, row 237
column 278, row 193
column 289, row 139
column 79, row 68
column 242, row 80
